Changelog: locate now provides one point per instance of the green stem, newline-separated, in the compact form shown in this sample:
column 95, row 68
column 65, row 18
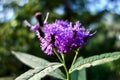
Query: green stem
column 75, row 57
column 63, row 62
column 58, row 56
column 64, row 65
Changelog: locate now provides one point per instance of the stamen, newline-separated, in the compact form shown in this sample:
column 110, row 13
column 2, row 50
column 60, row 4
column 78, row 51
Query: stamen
column 27, row 23
column 93, row 33
column 46, row 17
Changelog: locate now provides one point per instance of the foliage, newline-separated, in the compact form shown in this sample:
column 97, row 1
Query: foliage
column 35, row 62
column 42, row 67
column 38, row 73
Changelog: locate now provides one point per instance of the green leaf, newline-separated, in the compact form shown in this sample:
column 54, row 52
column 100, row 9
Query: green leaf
column 79, row 59
column 79, row 75
column 38, row 73
column 30, row 60
column 33, row 62
column 57, row 73
column 95, row 60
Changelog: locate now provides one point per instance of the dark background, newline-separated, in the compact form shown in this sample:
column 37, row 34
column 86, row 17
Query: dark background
column 102, row 16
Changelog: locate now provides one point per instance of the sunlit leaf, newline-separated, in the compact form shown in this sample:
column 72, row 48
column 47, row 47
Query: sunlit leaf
column 31, row 60
column 95, row 60
column 34, row 62
column 38, row 73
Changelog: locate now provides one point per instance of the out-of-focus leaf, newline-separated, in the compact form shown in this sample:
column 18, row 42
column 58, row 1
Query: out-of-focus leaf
column 79, row 75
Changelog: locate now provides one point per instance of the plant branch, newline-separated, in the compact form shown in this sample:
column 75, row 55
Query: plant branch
column 58, row 56
column 64, row 65
column 75, row 57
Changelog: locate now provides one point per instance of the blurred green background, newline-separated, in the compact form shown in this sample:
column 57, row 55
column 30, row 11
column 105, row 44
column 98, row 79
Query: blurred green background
column 102, row 16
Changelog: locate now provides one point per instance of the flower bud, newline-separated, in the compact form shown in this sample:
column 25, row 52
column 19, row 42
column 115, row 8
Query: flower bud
column 38, row 16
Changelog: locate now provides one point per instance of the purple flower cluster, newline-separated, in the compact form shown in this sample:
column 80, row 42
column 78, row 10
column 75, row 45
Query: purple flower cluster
column 62, row 36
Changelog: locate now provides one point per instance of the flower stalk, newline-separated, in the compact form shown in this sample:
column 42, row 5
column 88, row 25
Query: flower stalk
column 63, row 62
column 75, row 57
column 58, row 56
column 65, row 67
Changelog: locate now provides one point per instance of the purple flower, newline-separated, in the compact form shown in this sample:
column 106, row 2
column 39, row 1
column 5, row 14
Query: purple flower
column 61, row 35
